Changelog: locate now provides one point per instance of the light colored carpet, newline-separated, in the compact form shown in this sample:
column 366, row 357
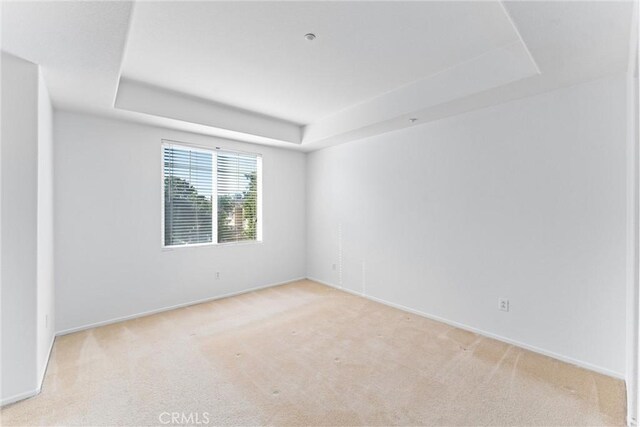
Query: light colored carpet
column 307, row 354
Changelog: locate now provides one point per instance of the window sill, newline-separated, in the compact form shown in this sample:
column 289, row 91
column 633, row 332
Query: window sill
column 204, row 245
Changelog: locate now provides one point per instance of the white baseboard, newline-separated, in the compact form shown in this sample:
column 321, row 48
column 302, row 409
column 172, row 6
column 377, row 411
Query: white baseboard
column 17, row 397
column 172, row 307
column 580, row 363
column 46, row 366
column 32, row 393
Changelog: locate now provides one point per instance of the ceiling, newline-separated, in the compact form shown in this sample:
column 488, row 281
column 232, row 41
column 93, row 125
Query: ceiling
column 255, row 56
column 244, row 70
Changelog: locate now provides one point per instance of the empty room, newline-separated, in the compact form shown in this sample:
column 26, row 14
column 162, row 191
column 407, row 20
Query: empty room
column 319, row 213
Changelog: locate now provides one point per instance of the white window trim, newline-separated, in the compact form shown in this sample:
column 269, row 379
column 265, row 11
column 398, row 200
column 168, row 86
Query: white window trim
column 214, row 198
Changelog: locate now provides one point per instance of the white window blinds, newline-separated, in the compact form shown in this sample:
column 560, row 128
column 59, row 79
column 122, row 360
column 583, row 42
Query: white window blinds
column 188, row 182
column 238, row 196
column 198, row 182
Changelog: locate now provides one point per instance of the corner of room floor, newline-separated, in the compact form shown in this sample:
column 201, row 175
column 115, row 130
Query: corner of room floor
column 309, row 354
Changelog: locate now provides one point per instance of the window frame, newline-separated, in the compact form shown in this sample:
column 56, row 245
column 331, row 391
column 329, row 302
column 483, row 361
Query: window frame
column 214, row 197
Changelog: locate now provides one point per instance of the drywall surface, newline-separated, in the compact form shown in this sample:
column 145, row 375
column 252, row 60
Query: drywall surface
column 109, row 257
column 524, row 201
column 633, row 298
column 19, row 225
column 45, row 269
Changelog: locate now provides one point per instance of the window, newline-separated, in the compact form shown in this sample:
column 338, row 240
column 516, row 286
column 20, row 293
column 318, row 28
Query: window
column 198, row 183
column 237, row 197
column 188, row 179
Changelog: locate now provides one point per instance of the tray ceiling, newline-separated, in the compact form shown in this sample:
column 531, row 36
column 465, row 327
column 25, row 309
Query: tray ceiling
column 244, row 70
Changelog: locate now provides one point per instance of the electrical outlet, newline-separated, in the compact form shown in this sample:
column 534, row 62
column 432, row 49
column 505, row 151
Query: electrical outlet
column 333, row 267
column 503, row 304
column 217, row 275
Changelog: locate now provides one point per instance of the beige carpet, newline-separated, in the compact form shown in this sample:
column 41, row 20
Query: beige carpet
column 306, row 354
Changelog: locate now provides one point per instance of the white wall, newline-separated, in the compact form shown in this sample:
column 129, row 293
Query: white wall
column 633, row 219
column 109, row 261
column 19, row 224
column 45, row 263
column 27, row 228
column 524, row 200
column 632, row 246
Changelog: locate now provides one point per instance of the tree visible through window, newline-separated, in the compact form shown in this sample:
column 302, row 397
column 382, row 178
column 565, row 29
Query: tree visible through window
column 237, row 197
column 190, row 196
